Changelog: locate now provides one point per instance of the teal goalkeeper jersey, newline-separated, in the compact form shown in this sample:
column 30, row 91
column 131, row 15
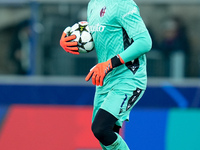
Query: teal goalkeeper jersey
column 114, row 24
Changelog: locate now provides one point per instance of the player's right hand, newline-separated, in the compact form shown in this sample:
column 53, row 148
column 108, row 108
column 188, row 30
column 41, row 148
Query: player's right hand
column 99, row 71
column 66, row 42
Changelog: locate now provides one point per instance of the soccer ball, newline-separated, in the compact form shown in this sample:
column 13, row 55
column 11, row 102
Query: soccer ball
column 83, row 36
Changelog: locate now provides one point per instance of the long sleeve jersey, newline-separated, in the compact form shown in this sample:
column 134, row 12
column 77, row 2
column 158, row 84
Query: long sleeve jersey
column 117, row 28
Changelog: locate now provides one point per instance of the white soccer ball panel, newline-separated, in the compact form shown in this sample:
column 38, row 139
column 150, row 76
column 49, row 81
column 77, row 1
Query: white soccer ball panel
column 85, row 37
column 82, row 50
column 74, row 27
column 87, row 28
column 77, row 33
column 89, row 46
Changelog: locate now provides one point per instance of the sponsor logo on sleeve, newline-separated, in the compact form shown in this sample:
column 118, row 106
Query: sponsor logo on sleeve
column 130, row 12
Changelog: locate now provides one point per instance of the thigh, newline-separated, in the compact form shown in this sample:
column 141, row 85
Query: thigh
column 104, row 119
column 120, row 102
column 98, row 101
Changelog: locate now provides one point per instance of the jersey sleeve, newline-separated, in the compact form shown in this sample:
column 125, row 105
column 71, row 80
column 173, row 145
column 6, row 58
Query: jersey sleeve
column 141, row 45
column 129, row 18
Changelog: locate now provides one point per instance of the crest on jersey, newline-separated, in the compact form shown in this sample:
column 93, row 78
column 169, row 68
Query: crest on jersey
column 103, row 11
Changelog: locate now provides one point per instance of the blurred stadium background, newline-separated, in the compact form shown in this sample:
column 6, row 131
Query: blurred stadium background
column 45, row 104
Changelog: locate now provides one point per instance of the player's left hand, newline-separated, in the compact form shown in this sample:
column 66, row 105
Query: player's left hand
column 99, row 71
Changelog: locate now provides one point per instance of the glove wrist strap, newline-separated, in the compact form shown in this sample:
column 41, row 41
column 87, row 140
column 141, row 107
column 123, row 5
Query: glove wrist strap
column 117, row 61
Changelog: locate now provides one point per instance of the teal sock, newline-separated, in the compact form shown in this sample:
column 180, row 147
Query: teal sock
column 102, row 146
column 119, row 144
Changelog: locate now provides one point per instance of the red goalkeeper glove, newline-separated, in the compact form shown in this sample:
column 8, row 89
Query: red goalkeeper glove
column 66, row 42
column 99, row 71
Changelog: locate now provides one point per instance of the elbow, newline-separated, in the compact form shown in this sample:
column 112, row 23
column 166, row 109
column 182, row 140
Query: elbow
column 148, row 43
column 145, row 41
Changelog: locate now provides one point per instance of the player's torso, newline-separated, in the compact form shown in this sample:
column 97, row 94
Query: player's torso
column 107, row 34
column 109, row 41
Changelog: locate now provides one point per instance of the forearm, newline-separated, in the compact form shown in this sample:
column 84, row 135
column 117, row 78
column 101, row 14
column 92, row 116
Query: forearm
column 141, row 45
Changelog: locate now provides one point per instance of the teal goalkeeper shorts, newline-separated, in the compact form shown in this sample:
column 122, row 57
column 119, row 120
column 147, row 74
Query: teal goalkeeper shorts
column 118, row 102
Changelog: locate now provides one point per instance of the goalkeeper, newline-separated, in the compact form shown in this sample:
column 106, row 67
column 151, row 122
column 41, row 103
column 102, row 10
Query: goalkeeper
column 121, row 41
